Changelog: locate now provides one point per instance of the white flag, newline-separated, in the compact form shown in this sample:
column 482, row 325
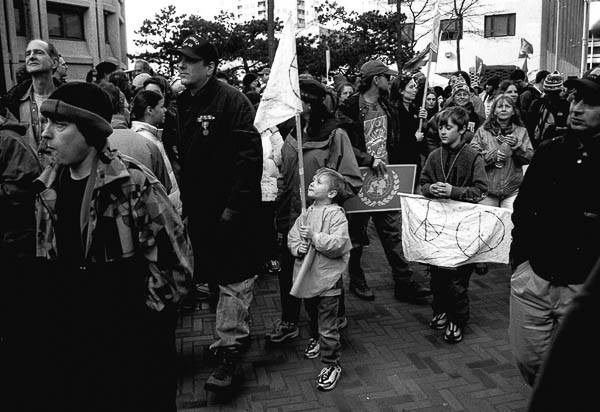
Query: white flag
column 447, row 233
column 281, row 98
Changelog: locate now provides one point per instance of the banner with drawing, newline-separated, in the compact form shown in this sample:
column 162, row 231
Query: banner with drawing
column 447, row 233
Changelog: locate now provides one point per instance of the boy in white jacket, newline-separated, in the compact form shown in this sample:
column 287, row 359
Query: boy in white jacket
column 321, row 243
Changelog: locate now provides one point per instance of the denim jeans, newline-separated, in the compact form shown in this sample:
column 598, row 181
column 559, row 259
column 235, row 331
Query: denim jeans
column 388, row 226
column 450, row 292
column 536, row 310
column 232, row 322
column 323, row 314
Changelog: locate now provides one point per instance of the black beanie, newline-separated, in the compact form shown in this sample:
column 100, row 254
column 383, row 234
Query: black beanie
column 84, row 104
column 248, row 79
column 311, row 90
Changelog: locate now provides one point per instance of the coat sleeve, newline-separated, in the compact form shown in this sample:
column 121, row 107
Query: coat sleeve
column 432, row 136
column 247, row 157
column 481, row 144
column 165, row 245
column 523, row 153
column 335, row 243
column 478, row 189
column 427, row 179
column 18, row 168
column 293, row 238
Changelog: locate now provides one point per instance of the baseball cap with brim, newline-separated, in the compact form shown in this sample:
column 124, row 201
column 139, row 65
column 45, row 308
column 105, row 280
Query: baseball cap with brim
column 588, row 85
column 375, row 68
column 197, row 48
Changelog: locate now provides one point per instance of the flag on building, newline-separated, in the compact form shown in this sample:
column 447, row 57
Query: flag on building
column 444, row 232
column 281, row 97
column 526, row 49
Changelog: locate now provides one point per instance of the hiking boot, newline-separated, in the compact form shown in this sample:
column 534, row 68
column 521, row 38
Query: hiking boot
column 328, row 377
column 362, row 290
column 439, row 321
column 342, row 322
column 282, row 331
column 313, row 349
column 411, row 292
column 222, row 376
column 453, row 333
column 481, row 268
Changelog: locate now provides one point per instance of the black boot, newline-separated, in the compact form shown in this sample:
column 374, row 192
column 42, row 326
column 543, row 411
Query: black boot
column 222, row 377
column 411, row 292
column 358, row 284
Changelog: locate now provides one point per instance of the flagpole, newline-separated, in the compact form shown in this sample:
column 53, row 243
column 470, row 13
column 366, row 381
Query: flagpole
column 425, row 89
column 301, row 164
column 557, row 35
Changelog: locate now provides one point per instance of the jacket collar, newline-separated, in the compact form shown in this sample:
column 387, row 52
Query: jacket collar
column 137, row 125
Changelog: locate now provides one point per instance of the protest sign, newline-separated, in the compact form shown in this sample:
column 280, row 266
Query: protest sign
column 447, row 233
column 382, row 193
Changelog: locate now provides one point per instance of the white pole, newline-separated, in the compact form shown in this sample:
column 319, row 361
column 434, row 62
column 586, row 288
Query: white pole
column 301, row 163
column 557, row 34
column 584, row 38
column 425, row 90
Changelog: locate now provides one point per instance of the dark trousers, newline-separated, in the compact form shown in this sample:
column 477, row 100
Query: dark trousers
column 323, row 314
column 450, row 292
column 267, row 233
column 290, row 305
column 388, row 227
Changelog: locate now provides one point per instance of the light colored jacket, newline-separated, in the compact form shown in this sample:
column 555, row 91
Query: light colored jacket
column 154, row 135
column 272, row 142
column 327, row 259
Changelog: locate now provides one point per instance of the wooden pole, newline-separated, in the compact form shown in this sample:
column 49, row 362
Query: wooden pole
column 426, row 86
column 301, row 163
column 556, row 38
column 271, row 30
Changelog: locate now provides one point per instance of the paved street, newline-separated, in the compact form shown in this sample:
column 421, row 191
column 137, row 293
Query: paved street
column 391, row 360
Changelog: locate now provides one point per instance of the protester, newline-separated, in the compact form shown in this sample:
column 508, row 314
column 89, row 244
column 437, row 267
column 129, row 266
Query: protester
column 547, row 116
column 532, row 92
column 556, row 228
column 431, row 103
column 61, row 71
column 510, row 89
column 251, row 83
column 490, row 93
column 100, row 240
column 455, row 171
column 142, row 66
column 325, row 144
column 519, row 78
column 343, row 91
column 149, row 113
column 505, row 146
column 120, row 79
column 138, row 82
column 220, row 154
column 320, row 242
column 264, row 76
column 105, row 68
column 24, row 100
column 473, row 97
column 118, row 120
column 373, row 131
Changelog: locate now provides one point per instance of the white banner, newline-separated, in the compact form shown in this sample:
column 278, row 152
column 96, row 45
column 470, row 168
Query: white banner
column 447, row 233
column 281, row 98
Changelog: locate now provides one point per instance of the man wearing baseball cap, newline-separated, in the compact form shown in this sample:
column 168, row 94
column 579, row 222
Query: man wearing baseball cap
column 373, row 131
column 119, row 258
column 220, row 153
column 556, row 227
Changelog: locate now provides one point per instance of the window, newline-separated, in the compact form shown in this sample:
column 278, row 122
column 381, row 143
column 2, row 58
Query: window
column 300, row 12
column 261, row 4
column 106, row 27
column 500, row 25
column 300, row 22
column 65, row 22
column 451, row 29
column 300, row 3
column 20, row 22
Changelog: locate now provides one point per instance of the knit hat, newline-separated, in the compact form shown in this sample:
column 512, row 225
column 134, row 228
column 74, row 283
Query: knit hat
column 84, row 104
column 459, row 85
column 311, row 90
column 249, row 78
column 553, row 82
column 138, row 81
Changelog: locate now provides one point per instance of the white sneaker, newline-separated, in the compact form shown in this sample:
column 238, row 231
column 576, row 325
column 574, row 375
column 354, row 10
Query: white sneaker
column 328, row 377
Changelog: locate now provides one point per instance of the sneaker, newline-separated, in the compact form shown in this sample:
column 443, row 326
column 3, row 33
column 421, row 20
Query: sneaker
column 282, row 331
column 411, row 292
column 439, row 321
column 222, row 377
column 453, row 333
column 313, row 349
column 328, row 377
column 342, row 322
column 362, row 290
column 273, row 266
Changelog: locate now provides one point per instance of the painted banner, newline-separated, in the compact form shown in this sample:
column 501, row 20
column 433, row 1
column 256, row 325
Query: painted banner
column 448, row 233
column 382, row 193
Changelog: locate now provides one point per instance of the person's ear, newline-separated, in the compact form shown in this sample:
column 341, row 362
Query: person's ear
column 332, row 194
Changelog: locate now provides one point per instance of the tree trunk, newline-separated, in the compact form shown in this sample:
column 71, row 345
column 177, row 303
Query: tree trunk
column 271, row 30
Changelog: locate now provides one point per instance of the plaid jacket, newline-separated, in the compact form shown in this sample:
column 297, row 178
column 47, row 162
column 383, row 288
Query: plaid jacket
column 130, row 216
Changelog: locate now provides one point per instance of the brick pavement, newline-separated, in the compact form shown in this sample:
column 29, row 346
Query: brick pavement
column 391, row 360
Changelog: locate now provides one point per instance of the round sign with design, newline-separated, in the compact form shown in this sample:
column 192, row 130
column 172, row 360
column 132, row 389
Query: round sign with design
column 379, row 191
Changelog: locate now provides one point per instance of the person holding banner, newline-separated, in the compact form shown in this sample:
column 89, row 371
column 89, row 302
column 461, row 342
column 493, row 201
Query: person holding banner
column 453, row 171
column 373, row 129
column 556, row 228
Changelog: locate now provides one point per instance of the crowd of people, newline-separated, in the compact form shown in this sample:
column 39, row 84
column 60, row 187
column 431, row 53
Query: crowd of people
column 126, row 201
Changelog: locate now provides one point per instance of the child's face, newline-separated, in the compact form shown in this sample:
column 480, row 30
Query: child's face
column 320, row 189
column 450, row 134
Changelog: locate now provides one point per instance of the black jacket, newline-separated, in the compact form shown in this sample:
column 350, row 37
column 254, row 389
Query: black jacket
column 13, row 97
column 557, row 212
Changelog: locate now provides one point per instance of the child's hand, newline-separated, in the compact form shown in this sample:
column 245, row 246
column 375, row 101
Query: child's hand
column 419, row 136
column 446, row 189
column 306, row 232
column 440, row 189
column 303, row 248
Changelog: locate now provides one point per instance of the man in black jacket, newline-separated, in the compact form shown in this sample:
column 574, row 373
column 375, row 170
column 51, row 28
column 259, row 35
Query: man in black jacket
column 221, row 165
column 556, row 228
column 373, row 131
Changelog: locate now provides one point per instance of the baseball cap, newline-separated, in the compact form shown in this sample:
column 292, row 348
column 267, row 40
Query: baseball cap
column 197, row 48
column 588, row 85
column 376, row 67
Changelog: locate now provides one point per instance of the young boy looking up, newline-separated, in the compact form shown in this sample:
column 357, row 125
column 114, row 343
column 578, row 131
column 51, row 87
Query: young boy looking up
column 457, row 171
column 321, row 244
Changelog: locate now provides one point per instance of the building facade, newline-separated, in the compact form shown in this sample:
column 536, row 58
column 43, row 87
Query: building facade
column 303, row 11
column 85, row 32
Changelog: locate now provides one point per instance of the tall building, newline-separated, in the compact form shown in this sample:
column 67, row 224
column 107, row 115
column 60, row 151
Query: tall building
column 85, row 32
column 302, row 10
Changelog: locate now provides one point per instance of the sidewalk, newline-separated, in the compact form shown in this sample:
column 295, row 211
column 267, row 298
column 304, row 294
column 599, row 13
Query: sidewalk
column 391, row 360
